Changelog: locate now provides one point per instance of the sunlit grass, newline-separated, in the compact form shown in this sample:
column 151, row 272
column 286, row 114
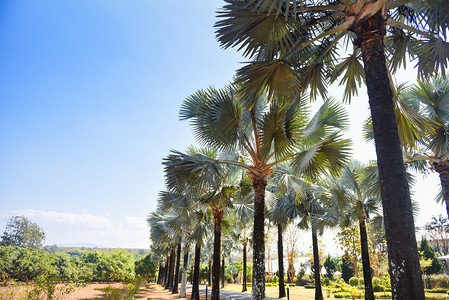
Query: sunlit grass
column 273, row 291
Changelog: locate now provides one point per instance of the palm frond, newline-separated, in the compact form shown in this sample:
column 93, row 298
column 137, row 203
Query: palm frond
column 353, row 77
column 327, row 157
column 257, row 33
column 197, row 171
column 398, row 46
column 433, row 55
column 215, row 117
column 278, row 78
column 281, row 129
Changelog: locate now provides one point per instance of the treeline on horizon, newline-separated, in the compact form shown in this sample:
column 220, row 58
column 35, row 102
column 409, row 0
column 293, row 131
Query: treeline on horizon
column 75, row 265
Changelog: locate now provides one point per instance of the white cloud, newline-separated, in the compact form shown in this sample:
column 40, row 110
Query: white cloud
column 66, row 228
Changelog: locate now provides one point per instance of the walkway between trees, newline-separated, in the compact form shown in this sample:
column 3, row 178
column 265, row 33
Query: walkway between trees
column 230, row 295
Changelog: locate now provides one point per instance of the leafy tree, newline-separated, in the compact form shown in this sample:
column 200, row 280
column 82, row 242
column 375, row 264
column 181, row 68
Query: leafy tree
column 24, row 264
column 429, row 253
column 65, row 268
column 22, row 232
column 146, row 268
column 293, row 45
column 330, row 264
column 349, row 242
column 347, row 268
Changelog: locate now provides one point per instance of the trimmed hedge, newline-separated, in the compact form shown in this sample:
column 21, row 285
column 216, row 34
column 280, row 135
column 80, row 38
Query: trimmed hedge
column 309, row 286
column 439, row 290
column 353, row 281
column 436, row 297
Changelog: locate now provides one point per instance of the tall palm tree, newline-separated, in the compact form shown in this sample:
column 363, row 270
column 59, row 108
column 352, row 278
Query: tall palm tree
column 285, row 209
column 165, row 238
column 269, row 134
column 218, row 196
column 293, row 44
column 353, row 189
column 188, row 219
column 243, row 217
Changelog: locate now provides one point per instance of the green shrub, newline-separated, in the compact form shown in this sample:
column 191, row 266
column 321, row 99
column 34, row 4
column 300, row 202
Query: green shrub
column 361, row 287
column 361, row 281
column 376, row 281
column 437, row 281
column 353, row 281
column 378, row 288
column 326, row 281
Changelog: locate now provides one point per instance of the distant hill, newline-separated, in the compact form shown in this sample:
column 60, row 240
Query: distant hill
column 79, row 245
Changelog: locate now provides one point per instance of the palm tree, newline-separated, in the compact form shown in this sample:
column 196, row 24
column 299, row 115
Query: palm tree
column 269, row 134
column 217, row 196
column 243, row 217
column 294, row 45
column 353, row 189
column 431, row 99
column 188, row 219
column 165, row 238
column 285, row 209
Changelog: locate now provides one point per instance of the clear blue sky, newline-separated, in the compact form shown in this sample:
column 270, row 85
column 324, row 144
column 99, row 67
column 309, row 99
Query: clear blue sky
column 89, row 97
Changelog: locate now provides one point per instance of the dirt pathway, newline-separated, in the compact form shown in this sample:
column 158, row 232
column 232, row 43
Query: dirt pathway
column 153, row 291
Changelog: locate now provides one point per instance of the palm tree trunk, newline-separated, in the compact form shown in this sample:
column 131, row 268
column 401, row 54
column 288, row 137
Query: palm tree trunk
column 281, row 263
column 167, row 273
column 178, row 264
column 159, row 274
column 406, row 282
column 218, row 215
column 258, row 288
column 182, row 292
column 196, row 274
column 223, row 272
column 171, row 270
column 245, row 243
column 209, row 275
column 369, row 294
column 317, row 267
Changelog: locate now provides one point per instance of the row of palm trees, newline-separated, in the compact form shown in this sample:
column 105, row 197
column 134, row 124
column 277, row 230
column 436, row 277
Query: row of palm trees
column 292, row 46
column 205, row 177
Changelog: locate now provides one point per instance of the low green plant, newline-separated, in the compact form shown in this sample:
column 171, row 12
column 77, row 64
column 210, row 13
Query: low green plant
column 378, row 288
column 117, row 293
column 376, row 281
column 353, row 281
column 437, row 281
column 361, row 281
